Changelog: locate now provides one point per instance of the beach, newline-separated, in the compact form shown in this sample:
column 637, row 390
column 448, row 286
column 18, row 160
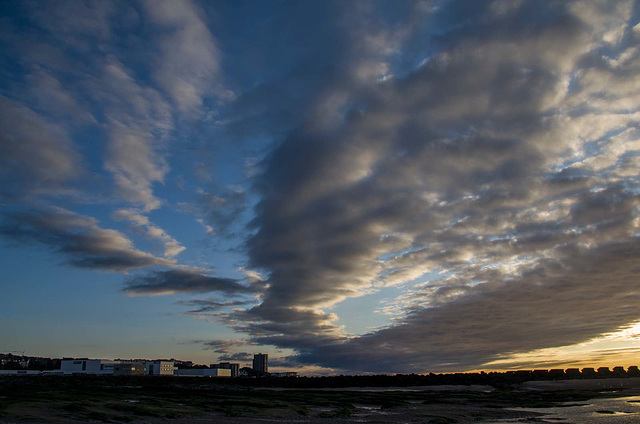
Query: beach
column 77, row 400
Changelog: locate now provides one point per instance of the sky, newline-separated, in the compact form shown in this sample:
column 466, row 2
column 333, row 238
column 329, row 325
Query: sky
column 350, row 187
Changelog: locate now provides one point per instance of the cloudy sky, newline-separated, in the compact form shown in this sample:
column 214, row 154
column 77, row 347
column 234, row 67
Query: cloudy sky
column 349, row 186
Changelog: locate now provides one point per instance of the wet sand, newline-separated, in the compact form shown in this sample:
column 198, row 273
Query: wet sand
column 440, row 388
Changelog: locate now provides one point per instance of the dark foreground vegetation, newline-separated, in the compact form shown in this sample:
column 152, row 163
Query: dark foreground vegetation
column 73, row 399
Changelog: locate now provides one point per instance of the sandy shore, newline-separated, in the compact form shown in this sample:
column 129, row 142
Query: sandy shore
column 435, row 413
column 39, row 403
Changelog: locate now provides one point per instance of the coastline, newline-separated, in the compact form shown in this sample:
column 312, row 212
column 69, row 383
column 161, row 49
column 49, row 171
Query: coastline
column 68, row 400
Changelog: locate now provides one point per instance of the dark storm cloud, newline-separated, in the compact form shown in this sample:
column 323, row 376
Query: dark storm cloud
column 480, row 163
column 276, row 325
column 563, row 302
column 77, row 237
column 185, row 281
column 333, row 50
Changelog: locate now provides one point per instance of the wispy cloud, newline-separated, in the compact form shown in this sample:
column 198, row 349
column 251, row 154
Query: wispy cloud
column 137, row 111
column 36, row 155
column 224, row 345
column 184, row 281
column 139, row 120
column 239, row 356
column 185, row 39
column 79, row 238
column 171, row 246
column 213, row 308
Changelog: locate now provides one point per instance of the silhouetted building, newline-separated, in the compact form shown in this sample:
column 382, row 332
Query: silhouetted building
column 556, row 373
column 202, row 372
column 604, row 371
column 572, row 372
column 540, row 373
column 235, row 368
column 87, row 366
column 20, row 372
column 633, row 370
column 160, row 367
column 588, row 371
column 619, row 371
column 129, row 368
column 261, row 362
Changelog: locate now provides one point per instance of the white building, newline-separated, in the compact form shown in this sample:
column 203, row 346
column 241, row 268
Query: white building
column 203, row 372
column 87, row 366
column 130, row 368
column 235, row 367
column 20, row 372
column 160, row 367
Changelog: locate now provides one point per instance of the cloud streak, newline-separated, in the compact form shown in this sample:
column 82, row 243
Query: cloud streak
column 213, row 308
column 36, row 155
column 79, row 238
column 171, row 246
column 185, row 39
column 184, row 281
column 224, row 346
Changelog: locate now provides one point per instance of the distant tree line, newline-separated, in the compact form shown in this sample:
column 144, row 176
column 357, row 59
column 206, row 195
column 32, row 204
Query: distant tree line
column 20, row 362
column 495, row 379
column 252, row 378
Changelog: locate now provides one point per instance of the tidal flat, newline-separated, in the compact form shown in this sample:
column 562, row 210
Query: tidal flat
column 85, row 399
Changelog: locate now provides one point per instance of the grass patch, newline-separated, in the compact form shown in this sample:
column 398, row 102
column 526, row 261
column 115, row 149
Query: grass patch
column 135, row 409
column 75, row 408
column 100, row 416
column 394, row 404
column 237, row 411
column 441, row 420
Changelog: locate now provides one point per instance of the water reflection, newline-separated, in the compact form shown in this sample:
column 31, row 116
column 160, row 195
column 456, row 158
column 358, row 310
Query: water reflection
column 625, row 410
